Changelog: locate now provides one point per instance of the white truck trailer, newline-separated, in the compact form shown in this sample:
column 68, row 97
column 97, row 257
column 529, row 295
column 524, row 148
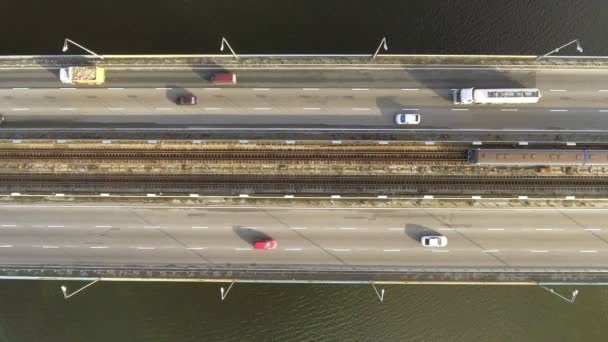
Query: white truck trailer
column 496, row 96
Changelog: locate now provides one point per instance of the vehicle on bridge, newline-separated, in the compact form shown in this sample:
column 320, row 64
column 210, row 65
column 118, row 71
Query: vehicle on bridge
column 496, row 96
column 265, row 244
column 82, row 75
column 434, row 241
column 224, row 78
column 537, row 157
column 407, row 119
column 187, row 100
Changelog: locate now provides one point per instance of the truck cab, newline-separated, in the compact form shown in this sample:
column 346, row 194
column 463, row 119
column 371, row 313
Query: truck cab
column 463, row 96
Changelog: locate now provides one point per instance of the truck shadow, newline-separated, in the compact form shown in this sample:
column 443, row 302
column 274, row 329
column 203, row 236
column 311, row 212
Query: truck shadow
column 416, row 232
column 248, row 234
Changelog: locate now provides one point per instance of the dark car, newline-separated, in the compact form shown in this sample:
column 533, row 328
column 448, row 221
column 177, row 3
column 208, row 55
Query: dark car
column 187, row 100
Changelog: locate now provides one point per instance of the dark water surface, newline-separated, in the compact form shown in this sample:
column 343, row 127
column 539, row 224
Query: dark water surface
column 311, row 26
column 36, row 311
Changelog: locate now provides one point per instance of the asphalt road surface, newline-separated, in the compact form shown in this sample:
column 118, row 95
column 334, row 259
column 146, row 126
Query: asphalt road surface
column 572, row 99
column 385, row 237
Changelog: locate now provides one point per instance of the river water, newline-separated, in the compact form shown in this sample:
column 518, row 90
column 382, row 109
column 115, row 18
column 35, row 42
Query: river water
column 36, row 311
column 175, row 312
column 311, row 26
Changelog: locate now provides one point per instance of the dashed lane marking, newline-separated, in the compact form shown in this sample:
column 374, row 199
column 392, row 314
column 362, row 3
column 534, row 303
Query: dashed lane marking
column 67, row 108
column 261, row 108
column 293, row 249
column 360, row 89
column 163, row 88
column 21, row 88
column 409, row 108
column 587, row 251
column 8, row 225
column 439, row 250
column 543, row 229
column 347, row 228
column 50, row 247
column 593, row 229
column 20, row 109
column 391, row 250
column 144, row 248
column 341, row 250
column 360, row 108
column 116, row 108
column 490, row 251
column 298, row 228
column 557, row 90
column 509, row 109
column 116, row 88
column 163, row 108
column 6, row 246
column 98, row 247
column 211, row 88
column 558, row 110
column 242, row 249
column 310, row 89
column 103, row 226
column 495, row 229
column 258, row 89
column 199, row 227
column 212, row 108
column 410, row 89
column 196, row 248
column 538, row 251
column 55, row 226
column 67, row 88
column 459, row 109
column 311, row 108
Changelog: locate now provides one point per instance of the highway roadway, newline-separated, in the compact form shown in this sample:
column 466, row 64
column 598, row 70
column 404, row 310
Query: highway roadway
column 572, row 99
column 146, row 236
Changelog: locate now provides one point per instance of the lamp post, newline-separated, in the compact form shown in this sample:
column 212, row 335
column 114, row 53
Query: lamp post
column 224, row 41
column 569, row 300
column 579, row 48
column 65, row 48
column 380, row 294
column 64, row 289
column 224, row 294
column 382, row 44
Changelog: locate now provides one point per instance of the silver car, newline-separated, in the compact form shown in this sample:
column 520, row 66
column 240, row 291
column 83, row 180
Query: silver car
column 434, row 241
column 407, row 119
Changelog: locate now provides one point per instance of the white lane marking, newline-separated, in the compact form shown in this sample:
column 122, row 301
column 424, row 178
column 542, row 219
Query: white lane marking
column 587, row 251
column 459, row 109
column 199, row 227
column 310, row 89
column 116, row 108
column 196, row 248
column 496, row 229
column 347, row 228
column 6, row 246
column 509, row 110
column 394, row 228
column 115, row 88
column 261, row 108
column 20, row 109
column 242, row 249
column 542, row 229
column 593, row 229
column 446, row 228
column 293, row 249
column 103, row 226
column 144, row 248
column 391, row 250
column 603, row 110
column 491, row 251
column 360, row 89
column 21, row 88
column 8, row 225
column 409, row 108
column 341, row 250
column 538, row 251
column 311, row 108
column 55, row 226
column 439, row 251
column 257, row 89
column 67, row 108
column 211, row 88
column 557, row 90
column 151, row 227
column 98, row 247
column 356, row 108
column 53, row 247
column 298, row 228
column 67, row 88
column 410, row 89
column 163, row 88
column 163, row 108
column 558, row 110
column 212, row 108
column 603, row 90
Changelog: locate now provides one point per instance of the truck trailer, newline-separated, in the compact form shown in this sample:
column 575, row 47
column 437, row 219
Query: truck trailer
column 496, row 96
column 82, row 75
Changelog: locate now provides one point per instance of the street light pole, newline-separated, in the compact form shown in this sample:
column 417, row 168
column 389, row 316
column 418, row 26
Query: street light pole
column 224, row 41
column 65, row 47
column 569, row 300
column 224, row 294
column 382, row 43
column 64, row 289
column 579, row 48
column 379, row 294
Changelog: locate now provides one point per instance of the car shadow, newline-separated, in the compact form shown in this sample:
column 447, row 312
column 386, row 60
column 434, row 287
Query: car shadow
column 416, row 232
column 249, row 235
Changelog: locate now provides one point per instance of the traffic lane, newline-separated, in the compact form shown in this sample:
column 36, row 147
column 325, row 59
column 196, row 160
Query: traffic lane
column 329, row 76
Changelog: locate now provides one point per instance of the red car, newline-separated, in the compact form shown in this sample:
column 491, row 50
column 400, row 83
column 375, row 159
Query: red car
column 224, row 78
column 264, row 244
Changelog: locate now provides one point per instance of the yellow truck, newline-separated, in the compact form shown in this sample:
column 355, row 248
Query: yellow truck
column 82, row 75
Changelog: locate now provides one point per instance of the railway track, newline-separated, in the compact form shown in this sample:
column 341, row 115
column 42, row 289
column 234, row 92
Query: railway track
column 459, row 156
column 309, row 185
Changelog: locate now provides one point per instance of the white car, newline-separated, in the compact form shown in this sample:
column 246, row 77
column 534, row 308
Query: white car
column 434, row 241
column 407, row 119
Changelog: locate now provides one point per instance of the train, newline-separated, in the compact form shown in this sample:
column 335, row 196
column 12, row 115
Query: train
column 537, row 157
